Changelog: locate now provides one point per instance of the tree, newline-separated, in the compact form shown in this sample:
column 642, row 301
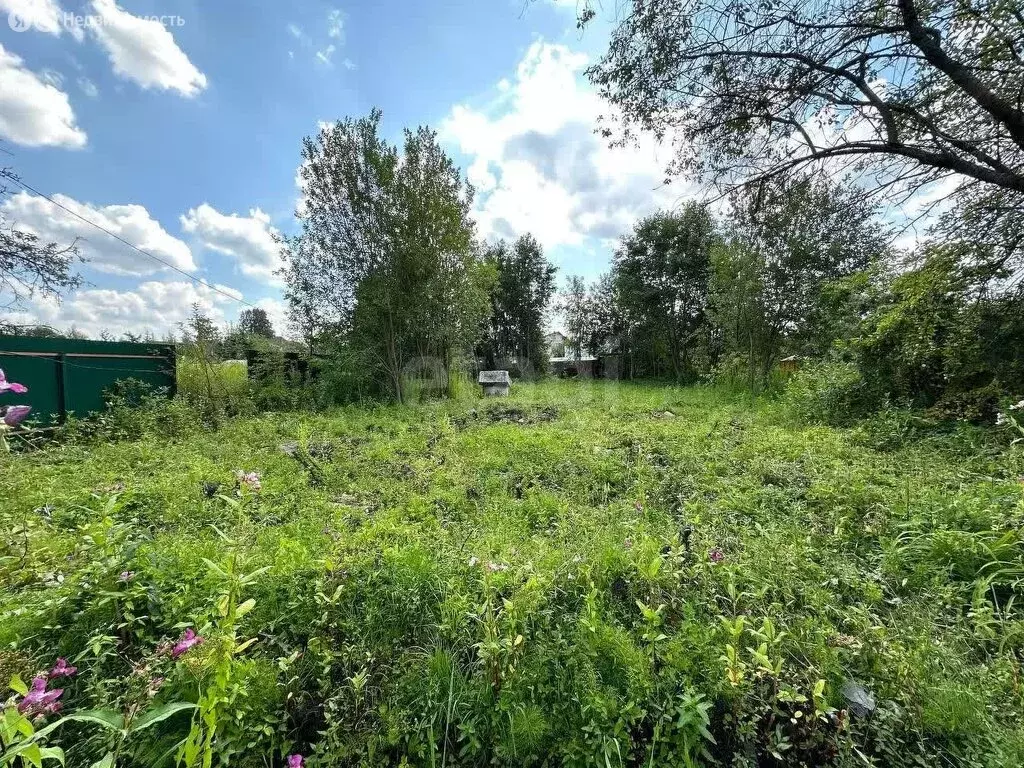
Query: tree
column 29, row 267
column 519, row 303
column 903, row 92
column 787, row 243
column 385, row 257
column 257, row 322
column 578, row 311
column 661, row 273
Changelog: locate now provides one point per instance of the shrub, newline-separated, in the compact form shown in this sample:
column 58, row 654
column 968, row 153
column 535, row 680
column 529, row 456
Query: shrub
column 829, row 392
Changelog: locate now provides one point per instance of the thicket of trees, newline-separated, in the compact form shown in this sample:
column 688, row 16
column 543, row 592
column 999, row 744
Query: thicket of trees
column 513, row 336
column 387, row 273
column 384, row 266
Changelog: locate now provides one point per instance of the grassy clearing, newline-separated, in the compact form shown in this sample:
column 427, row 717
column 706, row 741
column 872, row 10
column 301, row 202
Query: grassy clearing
column 530, row 581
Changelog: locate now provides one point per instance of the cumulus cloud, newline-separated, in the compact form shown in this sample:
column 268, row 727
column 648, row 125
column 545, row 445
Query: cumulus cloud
column 538, row 166
column 41, row 15
column 34, row 112
column 144, row 51
column 153, row 307
column 104, row 253
column 249, row 240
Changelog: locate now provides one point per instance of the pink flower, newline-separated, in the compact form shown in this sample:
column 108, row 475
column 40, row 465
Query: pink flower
column 716, row 555
column 15, row 414
column 294, row 761
column 189, row 639
column 5, row 385
column 249, row 479
column 38, row 700
column 63, row 669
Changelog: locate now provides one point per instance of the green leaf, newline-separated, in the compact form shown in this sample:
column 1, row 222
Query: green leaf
column 52, row 753
column 214, row 567
column 33, row 754
column 107, row 761
column 18, row 685
column 105, row 717
column 245, row 607
column 154, row 716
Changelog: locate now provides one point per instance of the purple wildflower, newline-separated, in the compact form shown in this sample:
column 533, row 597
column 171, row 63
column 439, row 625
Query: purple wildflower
column 638, row 506
column 189, row 639
column 294, row 761
column 716, row 555
column 63, row 669
column 11, row 386
column 15, row 414
column 249, row 479
column 39, row 701
column 628, row 543
column 126, row 576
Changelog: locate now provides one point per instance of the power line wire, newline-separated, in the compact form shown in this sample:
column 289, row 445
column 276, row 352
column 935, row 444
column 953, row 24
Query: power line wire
column 19, row 182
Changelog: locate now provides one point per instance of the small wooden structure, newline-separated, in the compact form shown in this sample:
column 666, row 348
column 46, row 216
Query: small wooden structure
column 495, row 383
column 789, row 364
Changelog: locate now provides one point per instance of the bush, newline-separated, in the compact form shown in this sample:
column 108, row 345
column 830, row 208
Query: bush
column 830, row 392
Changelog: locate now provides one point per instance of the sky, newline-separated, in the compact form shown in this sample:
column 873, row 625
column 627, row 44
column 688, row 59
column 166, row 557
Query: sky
column 177, row 125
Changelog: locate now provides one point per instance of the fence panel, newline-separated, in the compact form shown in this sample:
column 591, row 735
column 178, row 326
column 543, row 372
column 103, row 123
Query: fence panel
column 71, row 376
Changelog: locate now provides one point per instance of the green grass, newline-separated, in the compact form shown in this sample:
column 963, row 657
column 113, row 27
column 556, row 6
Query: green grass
column 528, row 582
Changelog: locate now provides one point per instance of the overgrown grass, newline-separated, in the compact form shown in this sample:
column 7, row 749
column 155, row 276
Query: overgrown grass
column 584, row 574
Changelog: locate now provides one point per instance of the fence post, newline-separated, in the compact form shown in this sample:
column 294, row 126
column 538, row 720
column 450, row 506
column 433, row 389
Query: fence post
column 62, row 403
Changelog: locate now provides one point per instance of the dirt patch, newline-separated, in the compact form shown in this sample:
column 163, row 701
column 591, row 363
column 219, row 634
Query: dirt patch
column 507, row 414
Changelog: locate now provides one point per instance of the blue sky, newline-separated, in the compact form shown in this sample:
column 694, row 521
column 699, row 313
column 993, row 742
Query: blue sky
column 183, row 133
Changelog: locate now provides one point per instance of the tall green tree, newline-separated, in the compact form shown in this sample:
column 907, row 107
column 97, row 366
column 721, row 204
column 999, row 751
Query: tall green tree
column 519, row 304
column 385, row 255
column 257, row 322
column 661, row 273
column 788, row 246
column 578, row 311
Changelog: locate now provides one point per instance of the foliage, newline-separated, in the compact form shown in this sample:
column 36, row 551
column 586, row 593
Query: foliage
column 830, row 392
column 256, row 322
column 519, row 305
column 776, row 277
column 661, row 276
column 30, row 268
column 936, row 341
column 578, row 310
column 384, row 262
column 605, row 573
column 903, row 94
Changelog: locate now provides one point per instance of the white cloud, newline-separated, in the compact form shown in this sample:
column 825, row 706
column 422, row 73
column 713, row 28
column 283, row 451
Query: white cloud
column 538, row 166
column 52, row 77
column 336, row 24
column 143, row 50
column 249, row 240
column 296, row 31
column 88, row 87
column 105, row 254
column 324, row 54
column 42, row 15
column 277, row 311
column 153, row 307
column 33, row 112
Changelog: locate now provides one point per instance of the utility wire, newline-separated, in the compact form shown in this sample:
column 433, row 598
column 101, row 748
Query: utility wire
column 19, row 182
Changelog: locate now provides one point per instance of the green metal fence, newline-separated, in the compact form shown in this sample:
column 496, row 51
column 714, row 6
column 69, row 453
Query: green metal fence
column 71, row 376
